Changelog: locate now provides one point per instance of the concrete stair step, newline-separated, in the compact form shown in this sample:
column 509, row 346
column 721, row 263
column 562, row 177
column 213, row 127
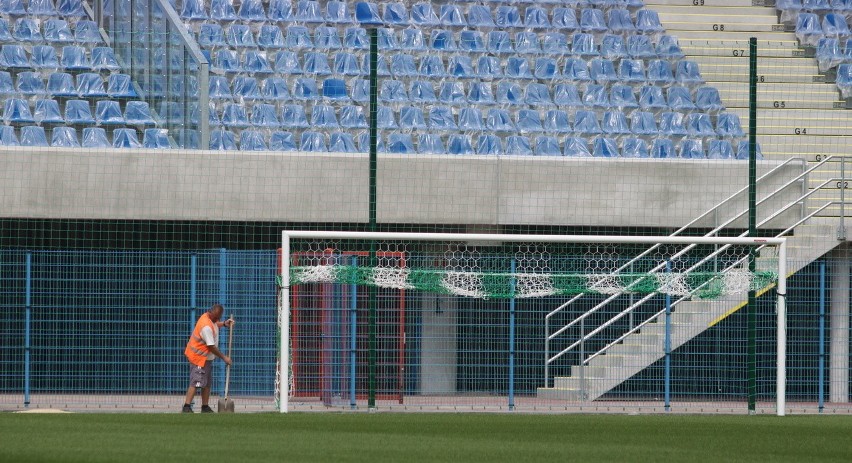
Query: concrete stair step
column 739, row 48
column 715, row 11
column 783, row 39
column 699, row 4
column 701, row 20
column 568, row 395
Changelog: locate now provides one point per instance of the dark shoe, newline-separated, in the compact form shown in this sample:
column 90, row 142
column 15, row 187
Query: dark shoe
column 187, row 409
column 206, row 409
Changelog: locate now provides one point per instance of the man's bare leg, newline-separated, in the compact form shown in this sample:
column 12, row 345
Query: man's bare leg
column 190, row 394
column 205, row 396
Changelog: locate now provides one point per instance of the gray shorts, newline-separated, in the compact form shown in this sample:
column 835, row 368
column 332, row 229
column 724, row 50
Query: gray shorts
column 201, row 376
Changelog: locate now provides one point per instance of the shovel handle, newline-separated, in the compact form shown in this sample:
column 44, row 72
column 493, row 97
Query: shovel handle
column 228, row 368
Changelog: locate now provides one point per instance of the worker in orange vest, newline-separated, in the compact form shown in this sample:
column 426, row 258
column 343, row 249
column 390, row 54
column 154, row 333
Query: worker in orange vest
column 201, row 350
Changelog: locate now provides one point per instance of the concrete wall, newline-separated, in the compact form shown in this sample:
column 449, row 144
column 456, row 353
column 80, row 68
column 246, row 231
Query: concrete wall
column 301, row 187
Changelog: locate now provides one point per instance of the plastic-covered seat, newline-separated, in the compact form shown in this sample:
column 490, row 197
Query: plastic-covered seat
column 402, row 65
column 442, row 40
column 193, row 9
column 172, row 112
column 499, row 42
column 488, row 67
column 13, row 56
column 282, row 141
column 385, row 118
column 6, row 86
column 17, row 111
column 518, row 145
column 660, row 72
column 47, row 112
column 613, row 47
column 393, row 91
column 235, row 115
column 834, row 25
column 240, row 36
column 619, row 21
column 395, row 14
column 71, row 8
column 33, row 135
column 352, row 117
column 138, row 113
column 470, row 119
column 44, row 57
column 635, row 148
column 293, row 116
column 223, row 140
column 64, row 137
column 452, row 93
column 280, row 10
column 844, row 79
column 662, row 148
column 287, row 62
column 27, row 30
column 275, row 88
column 576, row 69
column 499, row 120
column 720, row 149
column 223, row 10
column 298, row 37
column 411, row 118
column 422, row 14
column 828, row 53
column 545, row 68
column 125, row 138
column 211, row 35
column 668, row 47
column 459, row 66
column 586, row 122
column 602, row 70
column 640, row 47
column 412, row 39
column 90, row 84
column 313, row 142
column 592, row 20
column 687, row 72
column 367, row 13
column 252, row 140
column 509, row 93
column 433, row 66
column 576, row 147
column 346, row 64
column 308, row 11
column 459, row 144
column 536, row 17
column 324, row 116
column 527, row 43
column 622, row 96
column 614, row 123
column 480, row 93
column 58, row 84
column 382, row 69
column 631, row 70
column 87, row 32
column 360, row 90
column 326, row 38
column 219, row 88
column 742, row 150
column 316, row 63
column 8, row 137
column 692, row 149
column 103, row 59
column 556, row 121
column 41, row 8
column 808, row 29
column 604, row 148
column 341, row 142
column 596, row 96
column 429, row 143
column 566, row 95
column 94, row 137
column 679, row 98
column 555, row 43
column 564, row 18
column 270, row 37
column 305, row 89
column 708, row 99
column 584, row 45
column 643, row 123
column 400, row 143
column 537, row 95
column 671, row 124
column 487, row 144
column 251, row 10
column 108, row 112
column 30, row 83
column 157, row 139
column 728, row 125
column 651, row 98
column 479, row 16
column 441, row 118
column 246, row 88
column 507, row 17
column 518, row 68
column 74, row 58
column 547, row 146
column 648, row 21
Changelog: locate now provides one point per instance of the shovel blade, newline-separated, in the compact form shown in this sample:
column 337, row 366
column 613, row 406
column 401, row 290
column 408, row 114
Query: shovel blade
column 226, row 406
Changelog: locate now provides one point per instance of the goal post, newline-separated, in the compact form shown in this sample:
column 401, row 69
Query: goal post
column 534, row 272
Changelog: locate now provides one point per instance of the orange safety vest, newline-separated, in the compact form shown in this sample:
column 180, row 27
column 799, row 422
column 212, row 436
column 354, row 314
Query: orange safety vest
column 196, row 350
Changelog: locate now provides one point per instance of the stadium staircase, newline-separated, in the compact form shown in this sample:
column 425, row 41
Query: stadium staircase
column 793, row 95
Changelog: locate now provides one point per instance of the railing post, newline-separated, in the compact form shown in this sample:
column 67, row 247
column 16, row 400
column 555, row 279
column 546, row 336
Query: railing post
column 821, row 380
column 512, row 338
column 546, row 351
column 667, row 345
column 353, row 333
column 193, row 289
column 582, row 359
column 27, row 328
column 841, row 228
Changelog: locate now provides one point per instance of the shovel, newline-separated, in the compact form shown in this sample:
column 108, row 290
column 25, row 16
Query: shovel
column 226, row 405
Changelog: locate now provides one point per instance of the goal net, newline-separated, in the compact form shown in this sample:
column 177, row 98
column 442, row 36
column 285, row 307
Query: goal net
column 327, row 280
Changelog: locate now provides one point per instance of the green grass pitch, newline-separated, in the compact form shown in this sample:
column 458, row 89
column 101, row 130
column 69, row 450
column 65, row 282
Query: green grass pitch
column 411, row 437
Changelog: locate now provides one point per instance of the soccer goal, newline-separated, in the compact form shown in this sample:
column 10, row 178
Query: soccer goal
column 358, row 317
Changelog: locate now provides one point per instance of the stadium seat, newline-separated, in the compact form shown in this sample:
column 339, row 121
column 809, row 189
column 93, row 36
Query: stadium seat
column 58, row 84
column 386, row 39
column 480, row 93
column 536, row 17
column 30, row 84
column 507, row 17
column 392, row 91
column 108, row 112
column 509, row 93
column 157, row 139
column 324, row 116
column 613, row 47
column 280, row 10
column 651, row 98
column 125, row 138
column 360, row 90
column 834, row 25
column 619, row 21
column 555, row 43
column 17, row 111
column 400, row 143
column 442, row 40
column 488, row 67
column 576, row 147
column 385, row 118
column 308, row 11
column 720, row 149
column 326, row 38
column 352, row 117
column 634, row 148
column 287, row 62
column 556, row 121
column 499, row 120
column 367, row 13
column 459, row 144
column 527, row 43
column 844, row 79
column 622, row 97
column 663, row 148
column 687, row 72
column 8, row 137
column 44, row 57
column 211, row 35
column 742, row 150
column 596, row 96
column 12, row 7
column 138, row 113
column 219, row 88
column 251, row 10
column 246, row 88
column 708, row 99
column 41, row 8
column 71, row 8
column 356, row 38
column 592, row 20
column 171, row 112
column 586, row 123
column 564, row 18
column 583, row 45
column 275, row 89
column 643, row 123
column 604, row 148
column 94, row 137
column 252, row 140
column 699, row 125
column 808, row 29
column 479, row 16
column 293, row 116
column 103, row 59
column 499, row 42
column 47, row 112
column 518, row 68
column 382, row 69
column 5, row 35
column 429, row 143
column 668, row 47
column 487, row 144
column 518, row 145
column 32, row 135
column 298, row 37
column 602, row 70
column 337, row 12
column 470, row 119
column 728, row 125
column 422, row 14
column 640, row 47
column 452, row 93
column 441, row 118
column 631, row 70
column 410, row 118
column 316, row 63
column 346, row 64
column 64, row 137
column 305, row 89
column 679, row 98
column 13, row 56
column 87, row 32
column 648, row 21
column 90, row 84
column 614, row 123
column 566, row 95
column 828, row 53
column 537, row 95
column 547, row 146
column 342, row 142
column 545, row 68
column 334, row 89
column 27, row 30
column 402, row 65
column 660, row 72
column 270, row 37
column 223, row 140
column 234, row 115
column 671, row 124
column 692, row 149
column 222, row 10
column 412, row 39
column 74, row 58
column 313, row 142
column 240, row 36
column 193, row 9
column 576, row 69
column 282, row 141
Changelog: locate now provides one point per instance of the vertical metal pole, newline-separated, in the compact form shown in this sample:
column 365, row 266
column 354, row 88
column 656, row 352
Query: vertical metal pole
column 781, row 333
column 193, row 289
column 841, row 229
column 667, row 345
column 821, row 380
column 223, row 299
column 27, row 328
column 752, row 223
column 582, row 359
column 512, row 284
column 284, row 327
column 353, row 333
column 374, row 90
column 546, row 352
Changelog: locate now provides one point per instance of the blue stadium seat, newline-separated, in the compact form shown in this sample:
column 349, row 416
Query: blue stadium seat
column 41, row 8
column 193, row 9
column 663, row 148
column 125, row 138
column 234, row 115
column 94, row 137
column 251, row 10
column 432, row 66
column 44, row 57
column 326, row 38
column 367, row 13
column 668, row 47
column 528, row 121
column 240, row 36
column 27, row 30
column 410, row 118
column 386, row 39
column 400, row 143
column 536, row 17
column 442, row 40
column 313, row 142
column 342, row 142
column 651, row 98
column 382, row 69
column 8, row 137
column 566, row 95
column 30, row 84
column 687, row 72
column 592, row 20
column 488, row 67
column 275, row 89
column 171, row 112
column 298, row 37
column 671, row 124
column 564, row 18
column 555, row 43
column 246, row 88
column 479, row 16
column 634, row 148
column 252, row 140
column 293, row 116
column 32, row 135
column 518, row 68
column 602, row 70
column 621, row 96
column 157, row 139
column 223, row 10
column 219, row 88
column 6, row 86
column 287, row 62
column 699, row 125
column 614, row 123
column 692, row 149
column 499, row 42
column 87, row 32
column 518, row 145
column 392, row 91
column 817, row 6
column 338, row 13
column 596, row 96
column 422, row 14
column 308, row 11
column 679, row 98
column 527, row 43
column 64, row 137
column 211, row 35
column 13, row 56
column 604, row 148
column 720, row 149
column 223, row 140
column 459, row 144
column 71, row 8
column 808, row 29
column 844, row 79
column 316, row 63
column 352, row 117
column 640, row 47
column 509, row 93
column 828, row 53
column 346, row 64
column 429, row 143
column 556, row 121
column 834, row 25
column 648, row 21
column 90, row 84
column 613, row 47
column 47, row 112
column 728, row 125
column 631, row 70
column 360, row 90
column 108, row 112
column 280, row 10
column 660, row 72
column 402, row 65
column 17, row 111
column 470, row 119
column 270, row 37
column 103, row 59
column 487, row 144
column 576, row 147
column 335, row 89
column 74, row 58
column 324, row 116
column 584, row 45
column 441, row 118
column 742, row 150
column 395, row 14
column 576, row 69
column 138, row 113
column 412, row 39
column 537, row 95
column 5, row 35
column 643, row 123
column 58, row 84
column 708, row 99
column 545, row 68
column 586, row 122
column 619, row 21
column 12, row 7
column 507, row 17
column 385, row 118
column 460, row 66
column 305, row 89
column 499, row 120
column 282, row 141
